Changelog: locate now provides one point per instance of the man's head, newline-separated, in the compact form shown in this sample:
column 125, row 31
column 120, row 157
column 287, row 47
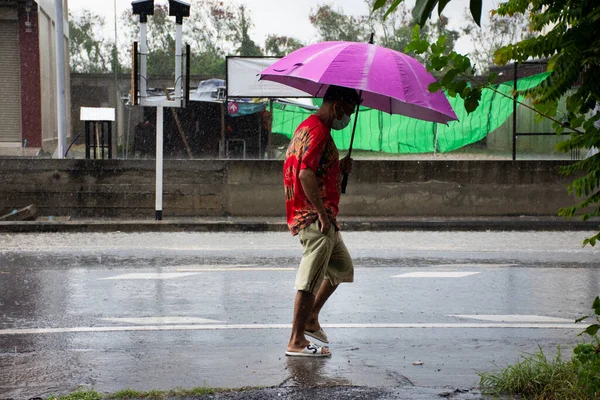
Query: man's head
column 338, row 104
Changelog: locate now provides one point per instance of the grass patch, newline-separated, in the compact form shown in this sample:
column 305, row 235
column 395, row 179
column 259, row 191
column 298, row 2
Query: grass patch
column 535, row 376
column 151, row 394
column 80, row 395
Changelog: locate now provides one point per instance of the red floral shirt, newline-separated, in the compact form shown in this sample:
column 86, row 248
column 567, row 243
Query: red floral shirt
column 311, row 147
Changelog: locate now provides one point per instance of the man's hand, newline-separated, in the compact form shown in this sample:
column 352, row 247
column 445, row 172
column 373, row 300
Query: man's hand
column 346, row 164
column 325, row 223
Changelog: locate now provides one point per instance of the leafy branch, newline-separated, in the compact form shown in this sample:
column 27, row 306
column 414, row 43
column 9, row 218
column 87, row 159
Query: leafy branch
column 457, row 65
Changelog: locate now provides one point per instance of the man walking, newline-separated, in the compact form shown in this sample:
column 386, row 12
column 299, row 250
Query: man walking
column 312, row 181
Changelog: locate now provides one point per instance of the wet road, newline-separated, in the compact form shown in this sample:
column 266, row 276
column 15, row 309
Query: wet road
column 166, row 310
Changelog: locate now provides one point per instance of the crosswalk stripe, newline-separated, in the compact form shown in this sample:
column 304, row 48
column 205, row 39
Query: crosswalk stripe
column 150, row 275
column 436, row 274
column 514, row 318
column 234, row 269
column 163, row 320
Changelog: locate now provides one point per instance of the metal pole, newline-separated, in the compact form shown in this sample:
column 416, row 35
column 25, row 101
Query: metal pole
column 345, row 176
column 159, row 162
column 260, row 156
column 117, row 100
column 222, row 141
column 178, row 35
column 143, row 53
column 514, row 149
column 60, row 80
column 271, row 131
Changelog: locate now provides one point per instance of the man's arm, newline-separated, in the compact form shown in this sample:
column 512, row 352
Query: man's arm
column 308, row 179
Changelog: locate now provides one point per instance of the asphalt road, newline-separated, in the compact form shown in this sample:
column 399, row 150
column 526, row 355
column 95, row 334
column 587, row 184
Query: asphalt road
column 427, row 312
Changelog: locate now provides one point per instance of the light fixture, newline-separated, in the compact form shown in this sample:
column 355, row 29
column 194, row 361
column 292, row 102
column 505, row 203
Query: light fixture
column 179, row 9
column 28, row 24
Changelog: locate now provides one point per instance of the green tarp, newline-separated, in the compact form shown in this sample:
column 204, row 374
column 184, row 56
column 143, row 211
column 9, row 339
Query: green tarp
column 379, row 131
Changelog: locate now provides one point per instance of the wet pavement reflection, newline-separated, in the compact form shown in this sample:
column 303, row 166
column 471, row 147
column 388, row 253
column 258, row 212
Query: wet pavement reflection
column 127, row 316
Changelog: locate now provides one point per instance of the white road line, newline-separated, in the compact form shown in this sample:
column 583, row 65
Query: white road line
column 102, row 329
column 490, row 265
column 436, row 274
column 163, row 320
column 234, row 269
column 514, row 318
column 150, row 275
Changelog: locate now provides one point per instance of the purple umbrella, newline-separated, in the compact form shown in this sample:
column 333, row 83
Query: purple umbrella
column 387, row 79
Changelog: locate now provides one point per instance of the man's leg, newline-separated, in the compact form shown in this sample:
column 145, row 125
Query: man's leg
column 325, row 291
column 340, row 269
column 303, row 306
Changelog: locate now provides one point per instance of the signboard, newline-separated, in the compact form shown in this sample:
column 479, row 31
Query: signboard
column 242, row 79
column 233, row 108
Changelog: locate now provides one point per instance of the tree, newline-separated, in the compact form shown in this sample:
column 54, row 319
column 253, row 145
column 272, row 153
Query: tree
column 395, row 30
column 501, row 31
column 88, row 52
column 569, row 36
column 247, row 47
column 424, row 8
column 281, row 45
column 333, row 25
column 213, row 30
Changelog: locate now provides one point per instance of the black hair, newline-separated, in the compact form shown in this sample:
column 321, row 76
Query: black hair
column 340, row 93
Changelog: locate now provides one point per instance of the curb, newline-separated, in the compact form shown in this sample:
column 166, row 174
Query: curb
column 462, row 224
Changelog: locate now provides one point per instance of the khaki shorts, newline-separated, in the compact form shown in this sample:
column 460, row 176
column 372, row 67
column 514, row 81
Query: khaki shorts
column 324, row 257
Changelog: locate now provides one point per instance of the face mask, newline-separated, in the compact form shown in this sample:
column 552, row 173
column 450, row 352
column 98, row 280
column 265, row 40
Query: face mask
column 339, row 124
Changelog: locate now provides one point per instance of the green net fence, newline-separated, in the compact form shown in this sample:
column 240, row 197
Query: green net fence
column 382, row 132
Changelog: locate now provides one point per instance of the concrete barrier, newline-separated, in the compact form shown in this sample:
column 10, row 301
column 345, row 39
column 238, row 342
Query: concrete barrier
column 125, row 188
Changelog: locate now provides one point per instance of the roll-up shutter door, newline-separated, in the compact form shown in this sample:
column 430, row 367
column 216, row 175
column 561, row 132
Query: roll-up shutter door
column 10, row 83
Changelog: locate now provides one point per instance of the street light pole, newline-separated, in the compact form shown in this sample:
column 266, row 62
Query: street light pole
column 61, row 94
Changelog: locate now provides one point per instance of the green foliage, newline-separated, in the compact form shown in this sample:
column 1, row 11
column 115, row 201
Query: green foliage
column 534, row 376
column 80, row 395
column 281, row 45
column 214, row 30
column 573, row 46
column 586, row 361
column 540, row 378
column 592, row 330
column 423, row 8
column 394, row 32
column 498, row 32
column 88, row 52
column 247, row 47
column 568, row 34
column 334, row 25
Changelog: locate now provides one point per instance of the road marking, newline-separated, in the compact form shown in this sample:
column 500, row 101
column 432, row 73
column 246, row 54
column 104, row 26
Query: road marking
column 150, row 275
column 491, row 265
column 164, row 320
column 234, row 269
column 102, row 329
column 514, row 318
column 436, row 274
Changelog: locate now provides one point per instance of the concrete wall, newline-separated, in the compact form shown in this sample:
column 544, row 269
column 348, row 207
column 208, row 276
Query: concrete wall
column 125, row 188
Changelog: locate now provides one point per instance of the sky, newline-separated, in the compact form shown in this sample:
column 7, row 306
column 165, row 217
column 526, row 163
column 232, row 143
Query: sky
column 283, row 17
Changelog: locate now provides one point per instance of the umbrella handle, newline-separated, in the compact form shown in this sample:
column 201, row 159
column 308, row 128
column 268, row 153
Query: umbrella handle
column 344, row 182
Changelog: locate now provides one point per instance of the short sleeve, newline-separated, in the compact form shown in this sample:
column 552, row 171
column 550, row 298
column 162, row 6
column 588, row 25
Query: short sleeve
column 311, row 157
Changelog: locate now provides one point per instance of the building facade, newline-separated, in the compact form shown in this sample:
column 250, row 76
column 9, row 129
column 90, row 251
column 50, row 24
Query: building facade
column 28, row 111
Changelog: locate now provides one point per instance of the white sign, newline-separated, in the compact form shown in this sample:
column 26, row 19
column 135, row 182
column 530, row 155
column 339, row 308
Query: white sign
column 242, row 79
column 97, row 114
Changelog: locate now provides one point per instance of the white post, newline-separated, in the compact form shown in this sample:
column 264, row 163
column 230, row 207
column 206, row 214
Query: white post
column 159, row 162
column 143, row 52
column 178, row 60
column 61, row 107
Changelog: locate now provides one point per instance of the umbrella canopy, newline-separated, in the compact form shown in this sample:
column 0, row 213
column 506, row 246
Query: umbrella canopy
column 390, row 81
